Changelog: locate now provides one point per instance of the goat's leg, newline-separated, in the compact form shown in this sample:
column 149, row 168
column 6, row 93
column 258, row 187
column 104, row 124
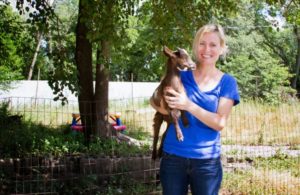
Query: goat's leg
column 168, row 120
column 157, row 121
column 176, row 115
column 184, row 118
column 178, row 131
column 160, row 149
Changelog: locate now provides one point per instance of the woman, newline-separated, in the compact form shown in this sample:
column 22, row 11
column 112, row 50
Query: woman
column 209, row 98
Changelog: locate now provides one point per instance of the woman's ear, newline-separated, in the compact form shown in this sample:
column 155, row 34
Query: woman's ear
column 223, row 51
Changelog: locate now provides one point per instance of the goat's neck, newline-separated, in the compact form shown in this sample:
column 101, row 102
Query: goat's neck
column 172, row 68
column 173, row 72
column 172, row 77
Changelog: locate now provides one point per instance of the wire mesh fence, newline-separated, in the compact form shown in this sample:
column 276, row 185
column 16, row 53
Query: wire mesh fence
column 260, row 152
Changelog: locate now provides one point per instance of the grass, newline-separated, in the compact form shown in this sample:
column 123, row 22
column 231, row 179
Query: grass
column 253, row 123
column 279, row 174
column 260, row 181
column 250, row 123
column 282, row 164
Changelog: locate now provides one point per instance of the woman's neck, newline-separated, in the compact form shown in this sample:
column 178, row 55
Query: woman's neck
column 206, row 70
column 207, row 77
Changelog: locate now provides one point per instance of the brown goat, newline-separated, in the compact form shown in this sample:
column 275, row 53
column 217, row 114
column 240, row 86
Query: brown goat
column 177, row 61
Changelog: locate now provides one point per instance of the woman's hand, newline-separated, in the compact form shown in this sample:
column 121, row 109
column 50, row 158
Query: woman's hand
column 176, row 100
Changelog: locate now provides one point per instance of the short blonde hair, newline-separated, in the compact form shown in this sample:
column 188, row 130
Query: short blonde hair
column 209, row 28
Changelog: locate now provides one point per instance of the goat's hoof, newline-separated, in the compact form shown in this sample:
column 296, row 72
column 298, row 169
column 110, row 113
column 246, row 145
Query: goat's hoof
column 180, row 139
column 186, row 124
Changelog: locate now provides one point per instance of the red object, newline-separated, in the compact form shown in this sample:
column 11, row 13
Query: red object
column 119, row 127
column 77, row 128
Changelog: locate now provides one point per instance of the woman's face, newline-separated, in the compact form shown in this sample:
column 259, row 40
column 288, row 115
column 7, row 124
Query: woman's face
column 209, row 48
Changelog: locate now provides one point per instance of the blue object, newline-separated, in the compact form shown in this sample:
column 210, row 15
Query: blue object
column 176, row 173
column 74, row 122
column 200, row 141
column 118, row 121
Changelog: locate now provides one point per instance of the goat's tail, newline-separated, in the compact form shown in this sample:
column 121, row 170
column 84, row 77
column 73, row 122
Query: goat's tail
column 157, row 121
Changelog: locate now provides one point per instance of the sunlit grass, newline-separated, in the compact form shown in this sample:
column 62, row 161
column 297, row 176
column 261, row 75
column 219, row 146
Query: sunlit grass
column 253, row 123
column 250, row 123
column 260, row 181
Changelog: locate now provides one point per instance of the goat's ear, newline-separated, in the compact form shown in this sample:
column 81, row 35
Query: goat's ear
column 168, row 52
column 181, row 51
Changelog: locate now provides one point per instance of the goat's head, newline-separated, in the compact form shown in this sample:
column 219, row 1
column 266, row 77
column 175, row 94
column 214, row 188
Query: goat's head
column 180, row 58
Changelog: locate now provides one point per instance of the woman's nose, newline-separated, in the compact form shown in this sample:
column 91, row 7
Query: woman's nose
column 206, row 48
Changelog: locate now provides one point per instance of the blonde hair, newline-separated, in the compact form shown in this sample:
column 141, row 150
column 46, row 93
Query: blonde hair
column 205, row 29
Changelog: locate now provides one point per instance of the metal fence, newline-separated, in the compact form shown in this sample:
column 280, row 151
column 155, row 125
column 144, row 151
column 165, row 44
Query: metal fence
column 260, row 152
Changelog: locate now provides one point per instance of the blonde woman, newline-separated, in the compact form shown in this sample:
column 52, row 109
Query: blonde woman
column 209, row 98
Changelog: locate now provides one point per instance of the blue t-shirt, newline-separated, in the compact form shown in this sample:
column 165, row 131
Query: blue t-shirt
column 200, row 141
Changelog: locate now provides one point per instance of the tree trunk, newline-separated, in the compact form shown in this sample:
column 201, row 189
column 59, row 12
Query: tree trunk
column 101, row 91
column 83, row 56
column 297, row 65
column 37, row 49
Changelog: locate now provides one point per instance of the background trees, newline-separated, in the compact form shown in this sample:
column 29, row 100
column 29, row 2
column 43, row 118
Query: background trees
column 86, row 41
column 259, row 69
column 289, row 9
column 16, row 43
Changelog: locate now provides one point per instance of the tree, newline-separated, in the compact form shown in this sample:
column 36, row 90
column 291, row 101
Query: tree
column 259, row 72
column 289, row 9
column 61, row 49
column 15, row 46
column 100, row 29
column 159, row 23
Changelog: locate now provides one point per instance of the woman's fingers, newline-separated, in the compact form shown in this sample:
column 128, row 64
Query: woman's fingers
column 170, row 98
column 170, row 91
column 173, row 98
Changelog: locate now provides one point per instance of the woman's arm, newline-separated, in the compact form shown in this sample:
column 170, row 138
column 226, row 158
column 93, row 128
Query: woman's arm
column 216, row 121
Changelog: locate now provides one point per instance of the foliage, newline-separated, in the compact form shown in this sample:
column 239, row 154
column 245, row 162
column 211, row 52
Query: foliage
column 125, row 185
column 139, row 55
column 136, row 31
column 135, row 58
column 286, row 12
column 15, row 45
column 139, row 134
column 18, row 45
column 289, row 9
column 259, row 72
column 60, row 49
column 280, row 162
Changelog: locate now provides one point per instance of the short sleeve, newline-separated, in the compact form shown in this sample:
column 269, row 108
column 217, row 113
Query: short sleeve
column 229, row 89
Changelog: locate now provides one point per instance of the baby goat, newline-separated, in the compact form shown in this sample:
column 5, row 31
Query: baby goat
column 177, row 61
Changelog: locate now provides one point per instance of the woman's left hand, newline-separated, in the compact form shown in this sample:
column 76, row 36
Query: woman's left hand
column 176, row 100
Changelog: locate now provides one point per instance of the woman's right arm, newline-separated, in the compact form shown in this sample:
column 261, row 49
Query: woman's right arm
column 158, row 108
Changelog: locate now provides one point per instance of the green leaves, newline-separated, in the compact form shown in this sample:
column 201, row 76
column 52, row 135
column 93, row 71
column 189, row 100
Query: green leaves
column 13, row 37
column 259, row 70
column 172, row 23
